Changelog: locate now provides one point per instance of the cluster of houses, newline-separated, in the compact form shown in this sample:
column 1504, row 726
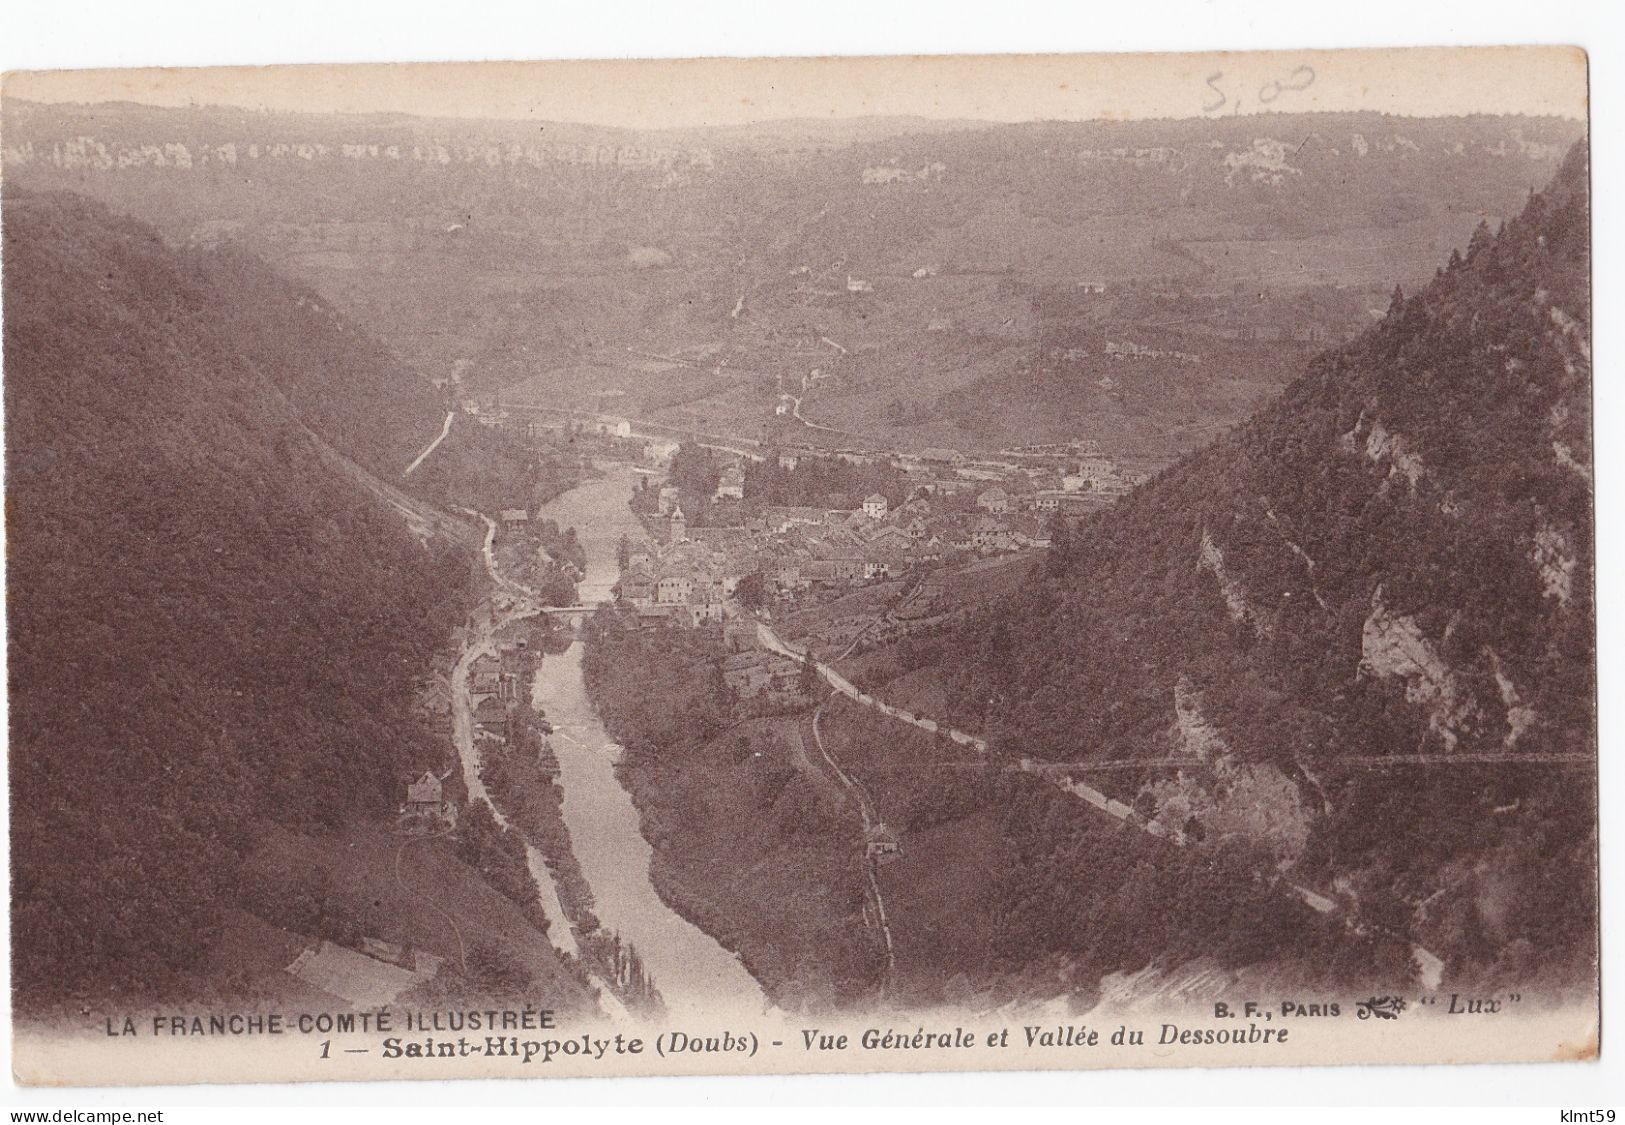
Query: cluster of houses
column 685, row 584
column 811, row 548
column 686, row 575
column 1022, row 473
column 1128, row 349
column 1040, row 476
column 957, row 509
column 495, row 682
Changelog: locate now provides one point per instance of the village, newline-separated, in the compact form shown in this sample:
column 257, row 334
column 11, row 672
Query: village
column 725, row 542
column 938, row 507
column 776, row 555
column 738, row 560
column 495, row 680
column 716, row 549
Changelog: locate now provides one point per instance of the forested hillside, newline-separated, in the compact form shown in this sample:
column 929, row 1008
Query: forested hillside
column 347, row 387
column 1393, row 560
column 208, row 628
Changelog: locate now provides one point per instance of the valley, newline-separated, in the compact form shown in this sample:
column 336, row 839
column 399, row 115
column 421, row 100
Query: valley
column 1008, row 568
column 968, row 287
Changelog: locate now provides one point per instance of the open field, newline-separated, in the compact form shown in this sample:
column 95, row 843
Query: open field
column 367, row 881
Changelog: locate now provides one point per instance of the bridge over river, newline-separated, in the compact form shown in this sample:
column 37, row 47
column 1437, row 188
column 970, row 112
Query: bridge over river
column 574, row 615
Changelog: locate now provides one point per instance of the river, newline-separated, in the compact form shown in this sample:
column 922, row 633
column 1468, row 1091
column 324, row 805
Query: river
column 481, row 641
column 695, row 975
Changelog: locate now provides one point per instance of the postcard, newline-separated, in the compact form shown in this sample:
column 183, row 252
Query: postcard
column 743, row 566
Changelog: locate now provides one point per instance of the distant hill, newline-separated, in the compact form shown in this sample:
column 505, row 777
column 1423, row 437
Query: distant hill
column 515, row 252
column 1395, row 560
column 810, row 134
column 210, row 629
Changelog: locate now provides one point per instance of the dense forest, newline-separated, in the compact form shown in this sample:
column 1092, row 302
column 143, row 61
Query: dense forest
column 208, row 628
column 1394, row 559
column 347, row 386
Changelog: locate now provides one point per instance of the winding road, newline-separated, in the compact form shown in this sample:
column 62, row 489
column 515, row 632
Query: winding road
column 795, row 401
column 769, row 640
column 1429, row 966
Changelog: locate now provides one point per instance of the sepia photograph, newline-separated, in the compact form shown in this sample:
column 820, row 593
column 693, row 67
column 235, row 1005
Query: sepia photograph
column 793, row 565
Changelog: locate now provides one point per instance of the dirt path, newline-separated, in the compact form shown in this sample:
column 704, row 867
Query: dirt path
column 433, row 445
column 770, row 641
column 811, row 769
column 1430, row 966
column 871, row 820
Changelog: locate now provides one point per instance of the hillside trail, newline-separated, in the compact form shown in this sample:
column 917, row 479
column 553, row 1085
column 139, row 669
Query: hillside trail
column 451, row 416
column 811, row 769
column 424, row 519
column 450, row 919
column 871, row 821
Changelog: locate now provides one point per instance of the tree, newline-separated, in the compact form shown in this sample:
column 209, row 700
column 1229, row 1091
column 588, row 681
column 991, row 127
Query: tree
column 1062, row 546
column 495, row 972
column 807, row 680
column 752, row 591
